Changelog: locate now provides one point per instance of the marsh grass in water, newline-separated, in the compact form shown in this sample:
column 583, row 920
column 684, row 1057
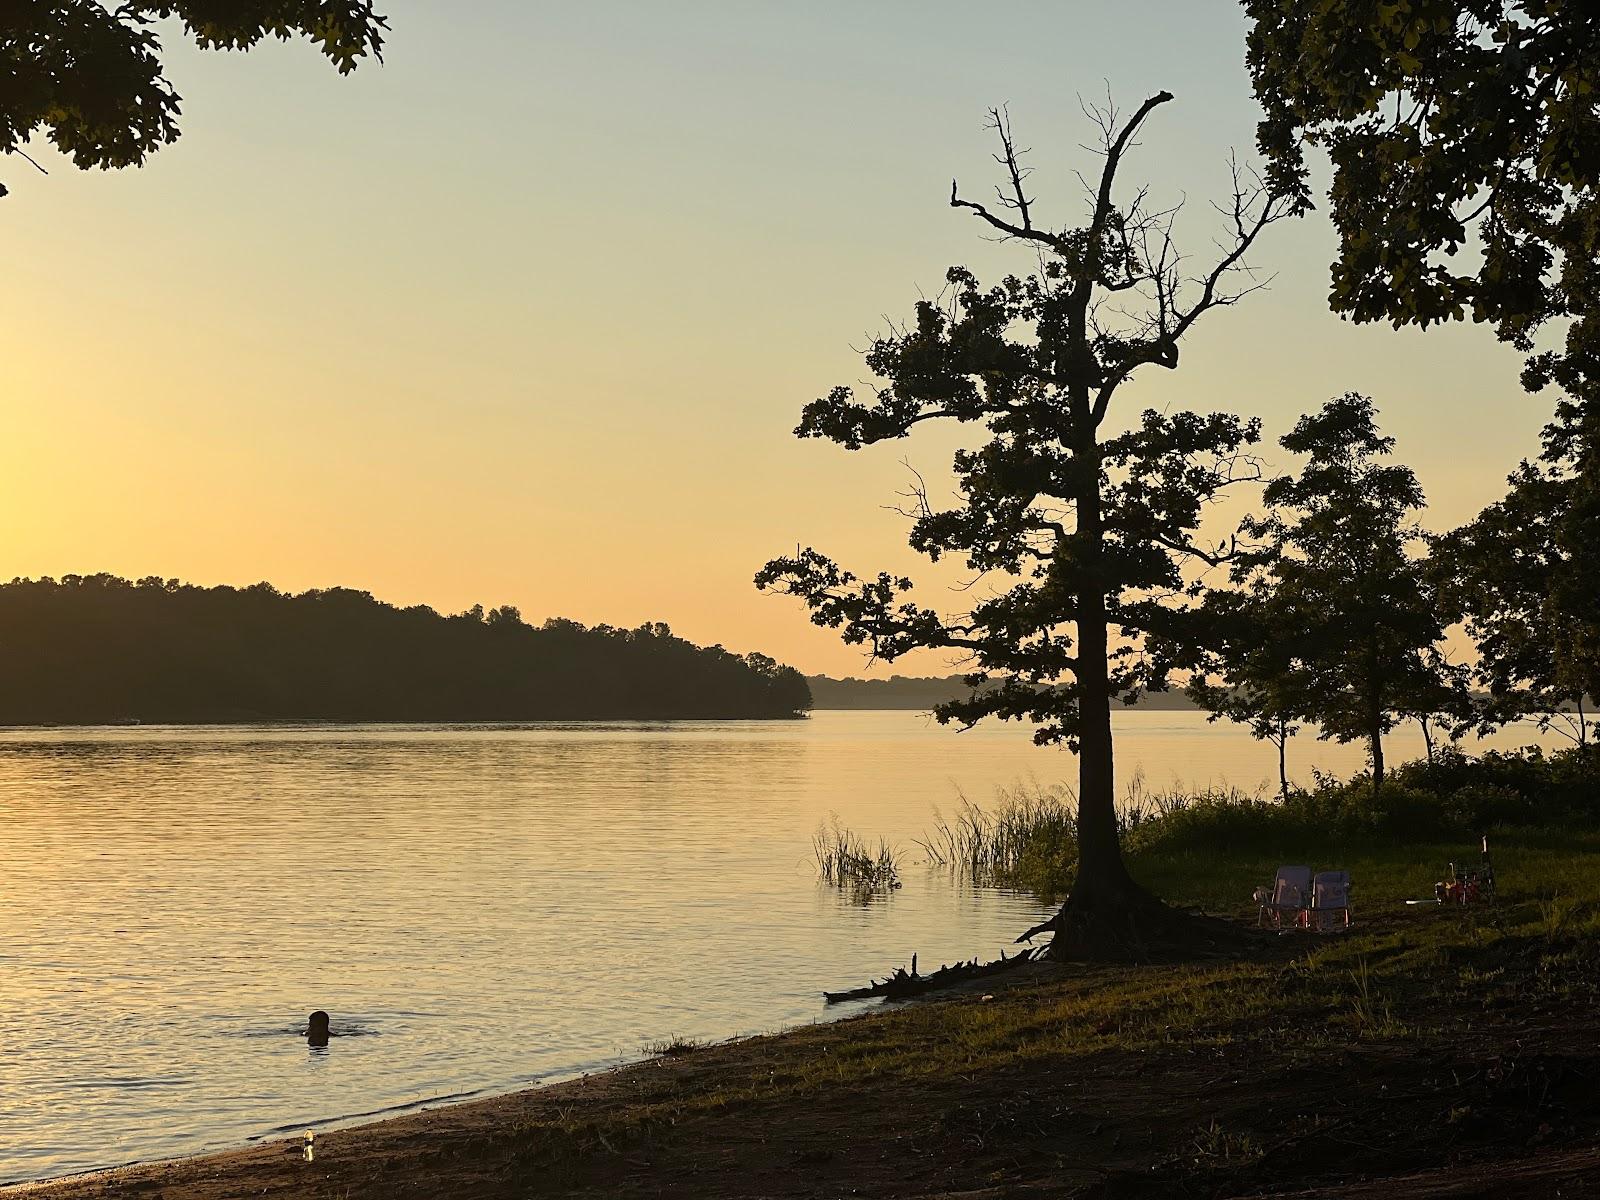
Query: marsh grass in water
column 845, row 859
column 672, row 1047
column 1027, row 838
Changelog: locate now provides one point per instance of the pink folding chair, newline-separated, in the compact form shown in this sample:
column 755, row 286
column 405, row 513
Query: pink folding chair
column 1291, row 892
column 1330, row 902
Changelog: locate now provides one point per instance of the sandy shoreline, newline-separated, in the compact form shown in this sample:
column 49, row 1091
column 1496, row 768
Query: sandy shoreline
column 1207, row 1078
column 358, row 1137
column 277, row 1164
column 413, row 1142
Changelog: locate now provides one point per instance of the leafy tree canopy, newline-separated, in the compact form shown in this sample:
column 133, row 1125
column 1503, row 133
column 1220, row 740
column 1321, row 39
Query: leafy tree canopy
column 1353, row 629
column 1448, row 122
column 1524, row 575
column 1242, row 671
column 91, row 76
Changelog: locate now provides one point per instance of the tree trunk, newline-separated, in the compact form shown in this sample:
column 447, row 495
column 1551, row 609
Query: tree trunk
column 1100, row 865
column 1102, row 875
column 1427, row 736
column 1375, row 710
column 1096, row 920
column 1283, row 759
column 1108, row 915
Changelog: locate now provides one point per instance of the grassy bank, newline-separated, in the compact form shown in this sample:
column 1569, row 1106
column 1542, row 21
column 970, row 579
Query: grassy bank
column 1212, row 846
column 1431, row 1051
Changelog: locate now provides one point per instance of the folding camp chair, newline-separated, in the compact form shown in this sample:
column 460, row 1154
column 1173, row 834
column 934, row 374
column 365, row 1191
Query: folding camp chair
column 1330, row 902
column 1291, row 892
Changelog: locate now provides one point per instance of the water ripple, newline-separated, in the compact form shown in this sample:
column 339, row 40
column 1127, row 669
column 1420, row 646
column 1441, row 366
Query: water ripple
column 502, row 904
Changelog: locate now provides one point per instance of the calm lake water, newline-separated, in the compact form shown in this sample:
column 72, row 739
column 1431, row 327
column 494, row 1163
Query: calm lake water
column 479, row 907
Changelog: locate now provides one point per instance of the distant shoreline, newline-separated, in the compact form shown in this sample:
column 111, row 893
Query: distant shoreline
column 924, row 692
column 389, row 722
column 241, row 722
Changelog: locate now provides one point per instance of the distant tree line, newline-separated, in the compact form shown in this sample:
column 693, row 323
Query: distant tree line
column 98, row 648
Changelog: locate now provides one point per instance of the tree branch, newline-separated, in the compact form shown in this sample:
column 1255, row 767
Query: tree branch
column 1108, row 175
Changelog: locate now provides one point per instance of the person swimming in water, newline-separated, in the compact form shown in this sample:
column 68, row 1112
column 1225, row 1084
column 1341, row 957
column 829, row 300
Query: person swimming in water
column 317, row 1029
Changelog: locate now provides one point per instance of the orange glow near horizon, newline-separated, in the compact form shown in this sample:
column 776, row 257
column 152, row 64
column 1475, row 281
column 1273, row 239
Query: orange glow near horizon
column 527, row 314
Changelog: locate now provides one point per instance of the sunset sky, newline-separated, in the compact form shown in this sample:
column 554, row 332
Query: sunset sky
column 527, row 314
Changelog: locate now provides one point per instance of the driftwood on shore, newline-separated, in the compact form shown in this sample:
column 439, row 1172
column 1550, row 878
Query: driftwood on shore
column 909, row 983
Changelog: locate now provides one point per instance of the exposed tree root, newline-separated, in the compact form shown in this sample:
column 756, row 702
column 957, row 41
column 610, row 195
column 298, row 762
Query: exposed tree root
column 1124, row 924
column 1128, row 924
column 908, row 983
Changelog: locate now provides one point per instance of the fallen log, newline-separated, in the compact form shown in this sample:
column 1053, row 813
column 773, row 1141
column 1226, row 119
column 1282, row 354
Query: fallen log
column 905, row 983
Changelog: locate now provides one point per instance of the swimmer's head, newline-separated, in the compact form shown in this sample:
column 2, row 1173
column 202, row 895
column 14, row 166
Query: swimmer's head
column 317, row 1028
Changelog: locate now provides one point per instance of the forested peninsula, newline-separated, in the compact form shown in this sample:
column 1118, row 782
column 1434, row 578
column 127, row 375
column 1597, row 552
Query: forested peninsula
column 97, row 648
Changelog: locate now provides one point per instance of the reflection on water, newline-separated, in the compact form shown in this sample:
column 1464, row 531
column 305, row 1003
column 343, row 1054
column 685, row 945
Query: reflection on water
column 478, row 907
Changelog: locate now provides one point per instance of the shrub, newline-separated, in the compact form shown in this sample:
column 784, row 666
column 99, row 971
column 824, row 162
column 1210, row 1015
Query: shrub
column 1214, row 817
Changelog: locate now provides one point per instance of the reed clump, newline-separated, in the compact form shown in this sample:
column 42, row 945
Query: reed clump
column 845, row 859
column 1147, row 816
column 1027, row 839
column 673, row 1047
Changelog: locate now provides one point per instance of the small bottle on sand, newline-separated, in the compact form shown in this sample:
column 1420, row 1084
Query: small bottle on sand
column 308, row 1149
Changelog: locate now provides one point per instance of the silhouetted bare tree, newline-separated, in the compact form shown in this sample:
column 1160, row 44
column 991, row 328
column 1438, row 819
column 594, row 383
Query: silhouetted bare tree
column 1089, row 527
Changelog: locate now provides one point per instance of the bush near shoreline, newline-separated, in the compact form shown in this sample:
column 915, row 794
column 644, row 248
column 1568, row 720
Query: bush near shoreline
column 1027, row 838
